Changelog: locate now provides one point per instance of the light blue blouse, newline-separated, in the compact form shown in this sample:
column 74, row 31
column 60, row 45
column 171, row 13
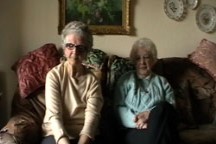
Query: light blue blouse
column 134, row 95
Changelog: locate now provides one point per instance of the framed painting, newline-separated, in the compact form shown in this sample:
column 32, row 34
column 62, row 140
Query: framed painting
column 102, row 16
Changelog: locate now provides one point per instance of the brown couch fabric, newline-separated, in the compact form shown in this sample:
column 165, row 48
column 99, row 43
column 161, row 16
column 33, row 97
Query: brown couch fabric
column 24, row 126
column 194, row 89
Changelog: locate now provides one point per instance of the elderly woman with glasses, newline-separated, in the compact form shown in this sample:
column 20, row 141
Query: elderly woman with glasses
column 73, row 94
column 144, row 101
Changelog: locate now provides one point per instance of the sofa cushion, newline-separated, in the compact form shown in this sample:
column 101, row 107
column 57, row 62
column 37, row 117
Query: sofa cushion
column 33, row 107
column 194, row 87
column 117, row 66
column 32, row 68
column 97, row 62
column 96, row 59
column 205, row 56
column 23, row 129
column 6, row 138
column 174, row 70
column 203, row 93
column 26, row 119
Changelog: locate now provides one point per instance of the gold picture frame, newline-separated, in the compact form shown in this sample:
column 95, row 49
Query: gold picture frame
column 115, row 15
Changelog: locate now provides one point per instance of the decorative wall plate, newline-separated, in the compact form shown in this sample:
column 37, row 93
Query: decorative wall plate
column 192, row 4
column 175, row 9
column 206, row 18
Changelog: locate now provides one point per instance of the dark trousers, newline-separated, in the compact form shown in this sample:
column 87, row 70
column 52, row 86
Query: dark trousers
column 51, row 140
column 162, row 128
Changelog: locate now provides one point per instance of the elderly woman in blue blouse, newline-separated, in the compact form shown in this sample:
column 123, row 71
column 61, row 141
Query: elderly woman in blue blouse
column 144, row 101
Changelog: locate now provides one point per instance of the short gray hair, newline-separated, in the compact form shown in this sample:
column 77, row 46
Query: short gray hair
column 144, row 43
column 79, row 28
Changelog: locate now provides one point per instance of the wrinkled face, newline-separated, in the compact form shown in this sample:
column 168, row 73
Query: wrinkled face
column 143, row 62
column 74, row 49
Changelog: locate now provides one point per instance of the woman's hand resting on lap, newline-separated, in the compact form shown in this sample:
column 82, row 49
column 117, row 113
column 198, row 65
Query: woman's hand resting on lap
column 141, row 120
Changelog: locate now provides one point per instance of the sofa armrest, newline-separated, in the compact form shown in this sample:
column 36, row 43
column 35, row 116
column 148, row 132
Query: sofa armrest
column 6, row 138
column 27, row 116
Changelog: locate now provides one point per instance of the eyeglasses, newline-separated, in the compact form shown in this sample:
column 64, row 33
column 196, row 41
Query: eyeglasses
column 148, row 57
column 80, row 48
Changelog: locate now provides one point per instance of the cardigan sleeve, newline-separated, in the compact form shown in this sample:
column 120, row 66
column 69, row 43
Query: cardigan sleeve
column 94, row 103
column 54, row 106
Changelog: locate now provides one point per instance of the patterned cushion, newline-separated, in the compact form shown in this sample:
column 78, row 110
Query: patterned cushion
column 205, row 56
column 96, row 59
column 97, row 62
column 32, row 68
column 174, row 70
column 118, row 66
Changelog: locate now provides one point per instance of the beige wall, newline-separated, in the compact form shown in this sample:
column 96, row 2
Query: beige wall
column 9, row 52
column 27, row 24
column 39, row 21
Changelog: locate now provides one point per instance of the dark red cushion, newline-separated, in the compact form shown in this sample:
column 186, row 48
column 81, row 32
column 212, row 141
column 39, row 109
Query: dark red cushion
column 32, row 68
column 205, row 56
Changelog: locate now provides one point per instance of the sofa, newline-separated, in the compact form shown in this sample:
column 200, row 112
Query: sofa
column 193, row 79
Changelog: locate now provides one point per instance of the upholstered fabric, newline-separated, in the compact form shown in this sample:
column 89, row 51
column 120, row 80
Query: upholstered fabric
column 32, row 68
column 205, row 56
column 96, row 59
column 97, row 62
column 195, row 90
column 117, row 66
column 25, row 123
column 6, row 138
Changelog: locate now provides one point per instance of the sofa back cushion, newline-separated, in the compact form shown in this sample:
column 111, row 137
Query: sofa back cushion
column 195, row 90
column 32, row 68
column 97, row 61
column 117, row 66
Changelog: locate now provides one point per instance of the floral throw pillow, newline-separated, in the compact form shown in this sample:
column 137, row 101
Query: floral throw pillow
column 32, row 68
column 96, row 59
column 97, row 62
column 118, row 66
column 205, row 56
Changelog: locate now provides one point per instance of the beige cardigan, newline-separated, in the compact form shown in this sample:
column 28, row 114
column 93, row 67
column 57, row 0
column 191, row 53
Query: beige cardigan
column 72, row 105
